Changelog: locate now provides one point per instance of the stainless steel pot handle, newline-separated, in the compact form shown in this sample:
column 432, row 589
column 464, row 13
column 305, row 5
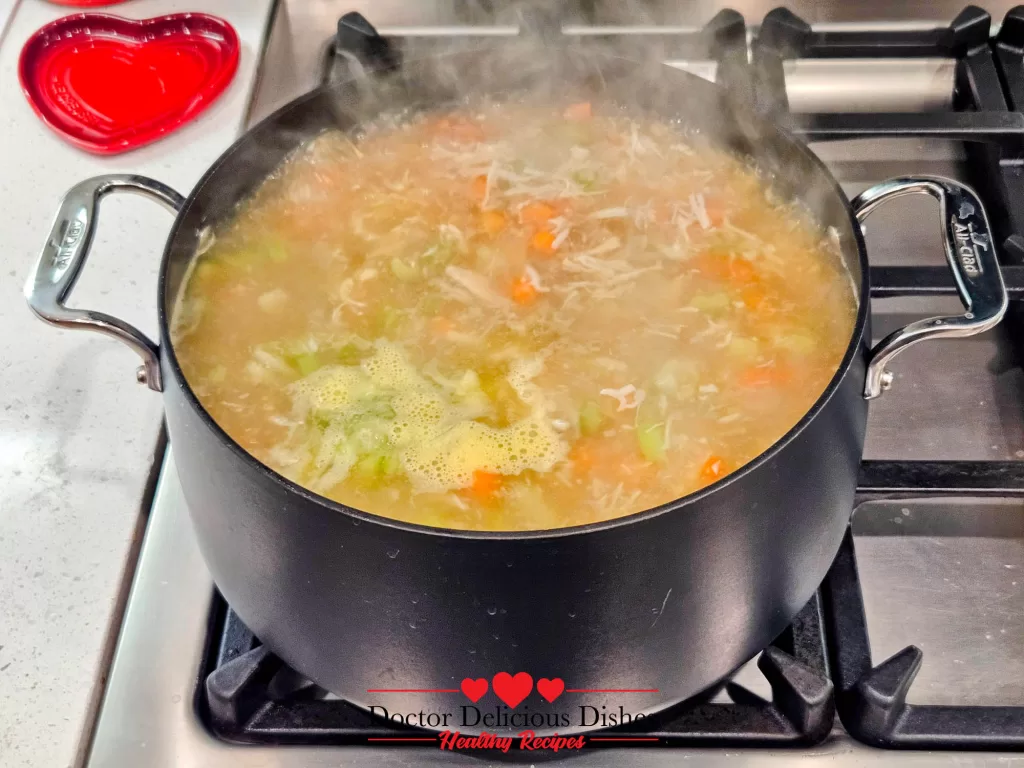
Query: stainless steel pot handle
column 64, row 255
column 971, row 255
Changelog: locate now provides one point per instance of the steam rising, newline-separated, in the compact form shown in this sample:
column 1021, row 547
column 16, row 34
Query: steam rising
column 538, row 66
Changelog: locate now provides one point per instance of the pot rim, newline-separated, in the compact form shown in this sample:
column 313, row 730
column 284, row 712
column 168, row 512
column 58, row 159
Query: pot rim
column 852, row 351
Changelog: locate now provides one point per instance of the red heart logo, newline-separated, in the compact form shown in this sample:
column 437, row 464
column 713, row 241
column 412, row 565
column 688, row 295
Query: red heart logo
column 550, row 689
column 512, row 689
column 474, row 689
column 109, row 84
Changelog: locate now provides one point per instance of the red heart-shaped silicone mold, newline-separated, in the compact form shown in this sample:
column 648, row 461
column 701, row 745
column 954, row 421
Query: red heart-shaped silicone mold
column 109, row 84
column 86, row 3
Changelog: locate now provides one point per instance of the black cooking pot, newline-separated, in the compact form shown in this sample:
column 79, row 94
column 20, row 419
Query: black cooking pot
column 639, row 612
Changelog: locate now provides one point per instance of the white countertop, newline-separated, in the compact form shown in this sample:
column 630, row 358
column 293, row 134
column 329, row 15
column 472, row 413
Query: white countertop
column 77, row 433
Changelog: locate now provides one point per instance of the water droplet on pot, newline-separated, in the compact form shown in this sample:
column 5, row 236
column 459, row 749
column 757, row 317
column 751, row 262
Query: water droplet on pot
column 415, row 601
column 393, row 553
column 509, row 564
column 503, row 611
column 472, row 651
column 497, row 637
column 492, row 611
column 412, row 625
column 572, row 614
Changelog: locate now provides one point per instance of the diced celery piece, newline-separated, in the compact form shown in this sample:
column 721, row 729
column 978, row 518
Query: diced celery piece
column 366, row 467
column 445, row 251
column 678, row 378
column 587, row 180
column 388, row 319
column 218, row 373
column 471, row 394
column 350, row 354
column 431, row 304
column 307, row 362
column 711, row 302
column 652, row 441
column 743, row 348
column 591, row 418
column 797, row 343
column 405, row 272
column 377, row 466
column 275, row 251
column 389, row 465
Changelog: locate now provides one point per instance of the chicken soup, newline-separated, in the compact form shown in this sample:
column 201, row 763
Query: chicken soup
column 512, row 318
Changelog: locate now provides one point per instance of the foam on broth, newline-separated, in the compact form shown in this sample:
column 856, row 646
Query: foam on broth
column 512, row 318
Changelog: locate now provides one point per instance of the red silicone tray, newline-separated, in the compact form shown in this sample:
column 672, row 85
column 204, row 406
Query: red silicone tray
column 86, row 3
column 109, row 84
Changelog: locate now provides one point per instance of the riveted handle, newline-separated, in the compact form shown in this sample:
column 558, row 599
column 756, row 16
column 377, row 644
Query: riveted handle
column 64, row 255
column 971, row 255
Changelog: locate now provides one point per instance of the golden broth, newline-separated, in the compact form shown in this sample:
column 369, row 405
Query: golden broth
column 512, row 318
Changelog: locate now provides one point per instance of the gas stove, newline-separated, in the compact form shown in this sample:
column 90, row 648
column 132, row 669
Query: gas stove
column 911, row 650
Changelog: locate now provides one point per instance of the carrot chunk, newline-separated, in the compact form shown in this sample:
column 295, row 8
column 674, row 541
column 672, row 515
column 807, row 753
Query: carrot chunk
column 486, row 485
column 479, row 187
column 523, row 291
column 537, row 213
column 714, row 468
column 543, row 241
column 458, row 129
column 726, row 268
column 580, row 111
column 765, row 376
column 741, row 270
column 493, row 222
column 441, row 326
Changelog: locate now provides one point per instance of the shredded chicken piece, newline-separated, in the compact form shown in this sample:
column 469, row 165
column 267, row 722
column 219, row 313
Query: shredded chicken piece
column 667, row 442
column 610, row 213
column 273, row 301
column 628, row 396
column 491, row 171
column 454, row 233
column 477, row 285
column 699, row 211
column 534, row 277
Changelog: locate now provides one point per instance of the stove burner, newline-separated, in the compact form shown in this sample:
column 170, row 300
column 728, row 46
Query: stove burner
column 252, row 697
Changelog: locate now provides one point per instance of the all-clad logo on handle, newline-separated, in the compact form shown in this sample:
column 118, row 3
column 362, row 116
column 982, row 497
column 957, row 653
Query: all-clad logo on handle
column 68, row 244
column 968, row 240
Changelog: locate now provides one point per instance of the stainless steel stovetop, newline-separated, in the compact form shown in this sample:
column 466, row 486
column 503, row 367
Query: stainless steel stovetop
column 955, row 590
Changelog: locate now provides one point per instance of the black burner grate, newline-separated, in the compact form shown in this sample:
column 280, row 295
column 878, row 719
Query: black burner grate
column 251, row 696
